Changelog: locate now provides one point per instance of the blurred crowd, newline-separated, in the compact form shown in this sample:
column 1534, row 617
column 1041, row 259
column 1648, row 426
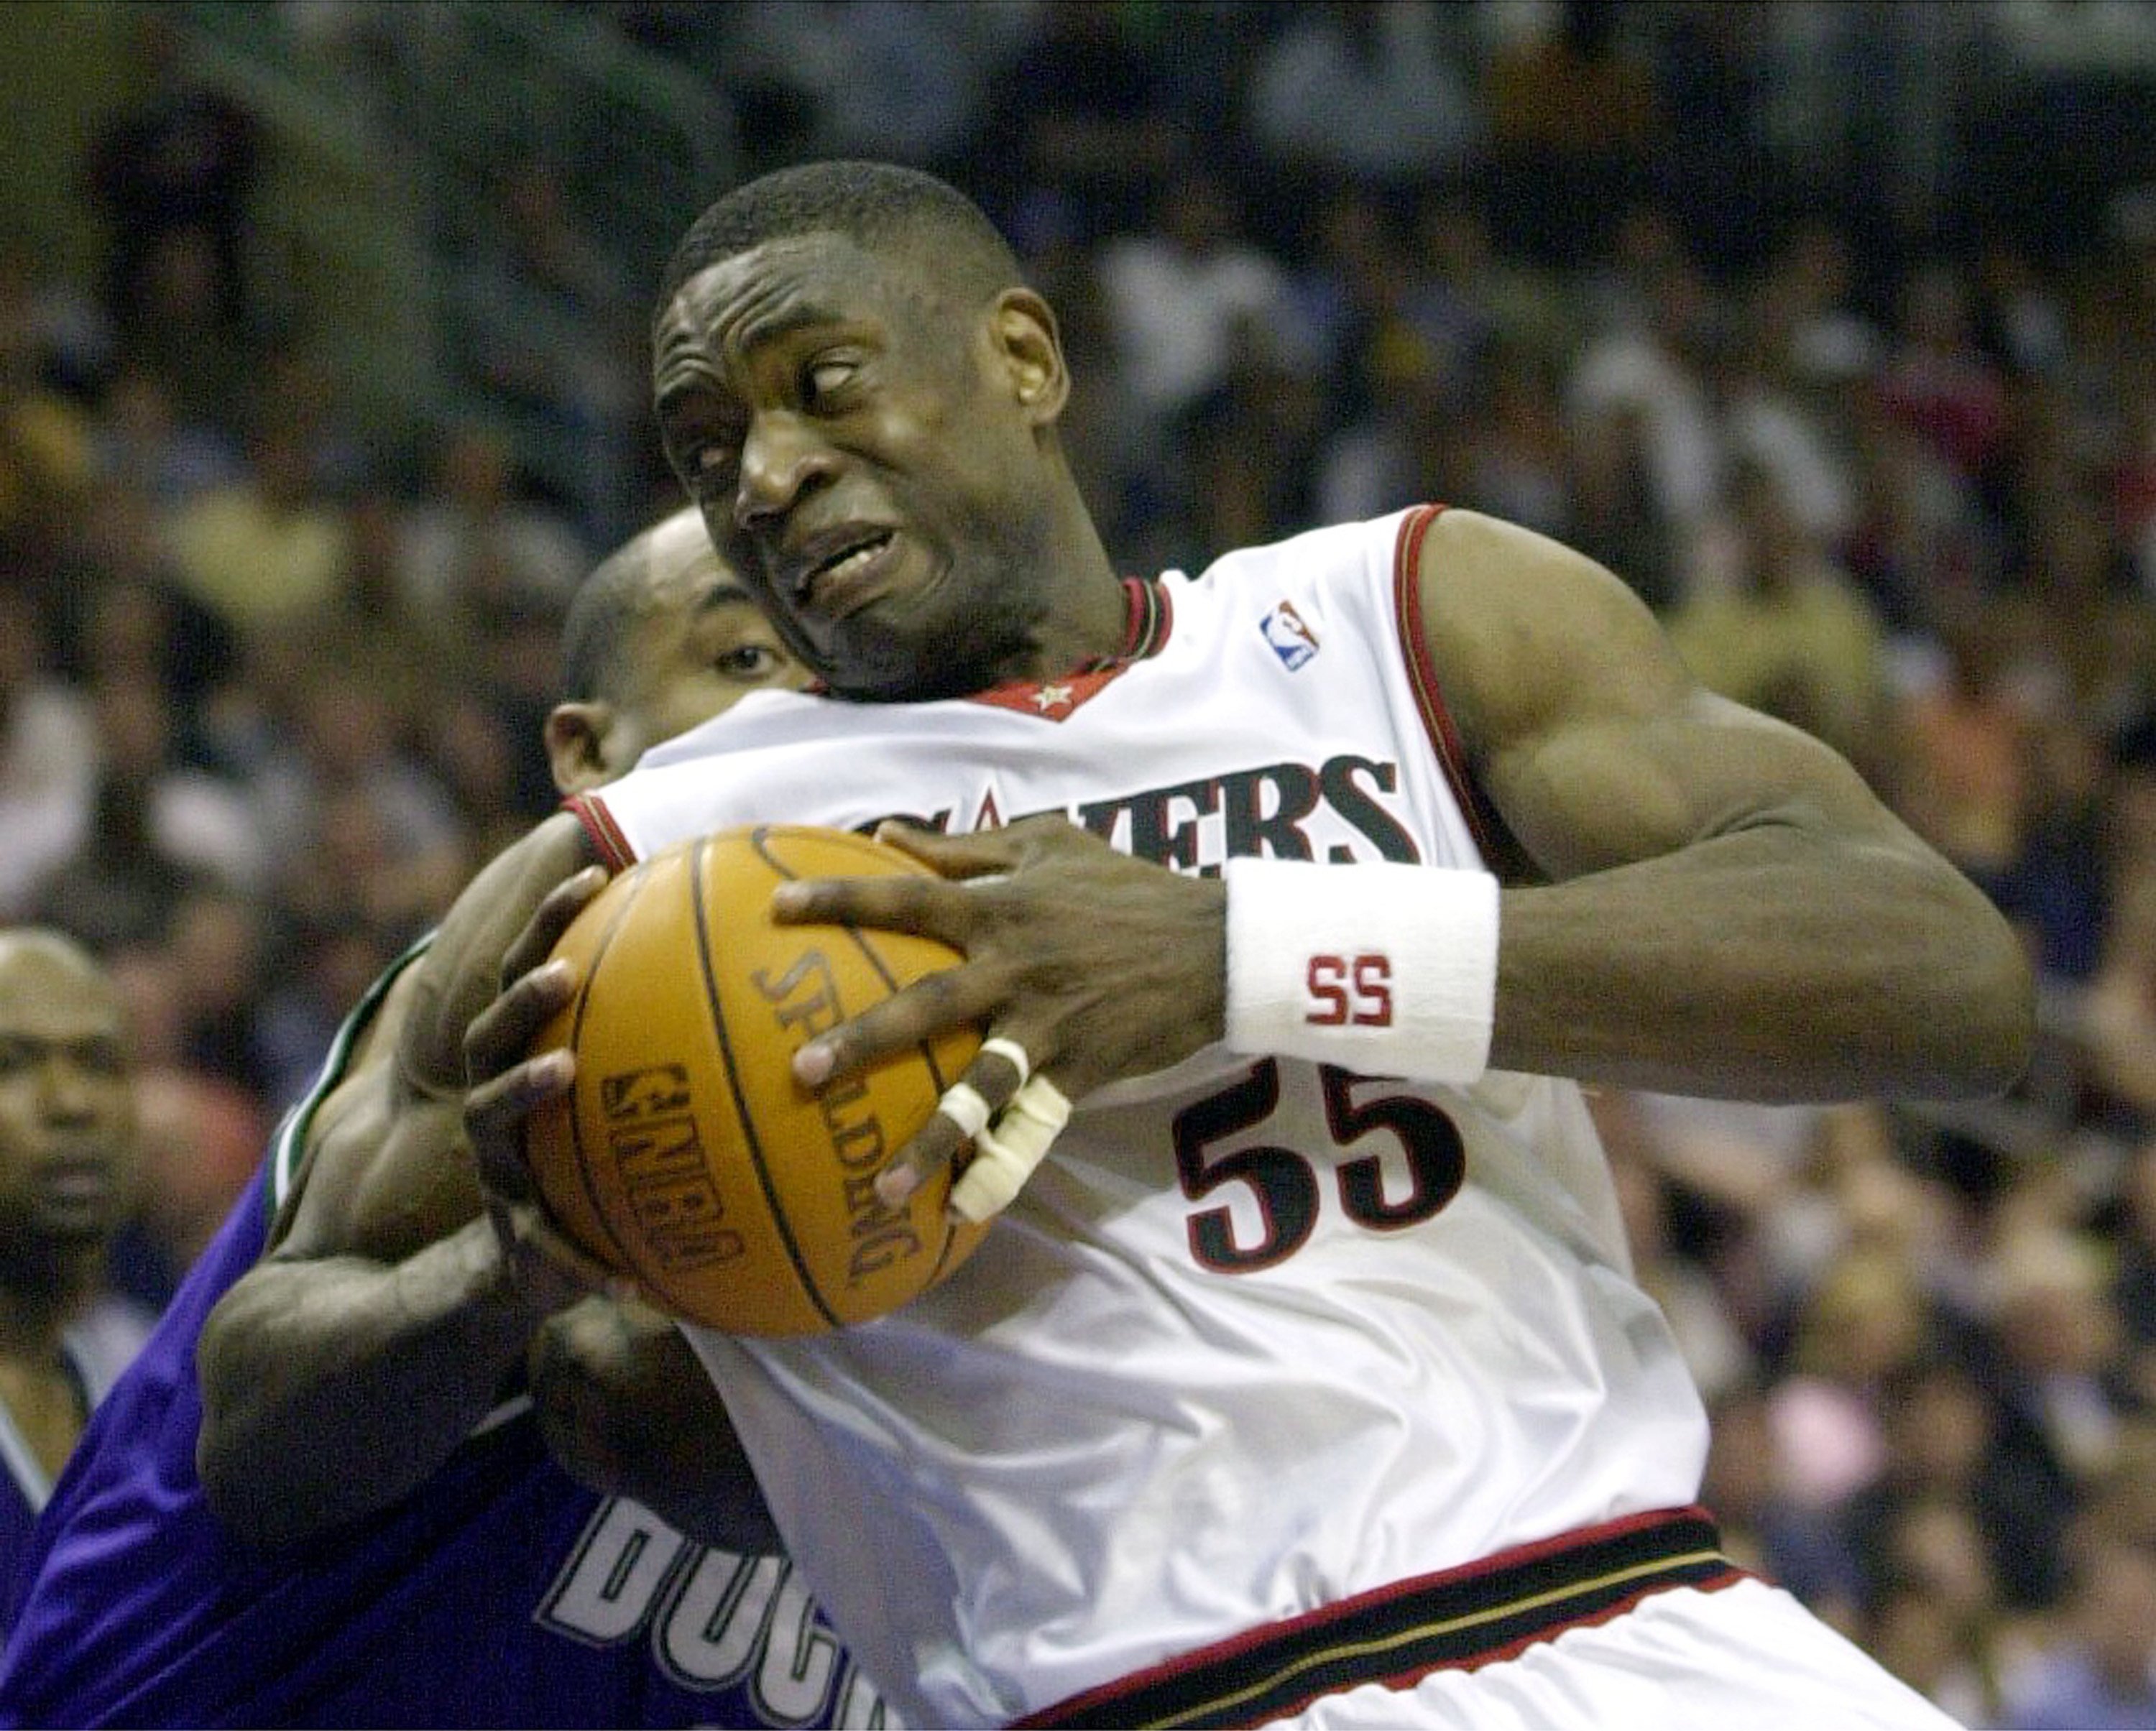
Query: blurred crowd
column 1877, row 442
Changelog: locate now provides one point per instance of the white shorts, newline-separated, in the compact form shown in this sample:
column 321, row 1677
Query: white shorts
column 1641, row 1624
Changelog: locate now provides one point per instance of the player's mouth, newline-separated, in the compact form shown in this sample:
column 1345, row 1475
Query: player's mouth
column 843, row 571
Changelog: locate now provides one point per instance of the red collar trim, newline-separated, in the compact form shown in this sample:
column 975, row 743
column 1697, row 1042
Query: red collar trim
column 1149, row 616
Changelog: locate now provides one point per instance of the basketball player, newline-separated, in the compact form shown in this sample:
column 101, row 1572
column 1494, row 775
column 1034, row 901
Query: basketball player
column 1306, row 1380
column 69, row 1162
column 375, row 1536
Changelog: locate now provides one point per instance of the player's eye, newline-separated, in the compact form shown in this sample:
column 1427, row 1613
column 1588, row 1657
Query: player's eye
column 748, row 661
column 826, row 379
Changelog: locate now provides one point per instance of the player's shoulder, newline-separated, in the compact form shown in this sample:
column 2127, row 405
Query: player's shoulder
column 1334, row 547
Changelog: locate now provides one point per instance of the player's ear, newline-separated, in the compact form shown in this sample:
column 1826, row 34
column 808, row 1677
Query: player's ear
column 1030, row 350
column 576, row 744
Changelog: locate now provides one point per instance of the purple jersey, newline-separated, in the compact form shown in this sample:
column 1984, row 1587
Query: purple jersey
column 500, row 1592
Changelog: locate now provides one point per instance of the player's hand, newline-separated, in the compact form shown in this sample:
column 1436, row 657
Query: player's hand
column 1093, row 966
column 505, row 1080
column 594, row 1369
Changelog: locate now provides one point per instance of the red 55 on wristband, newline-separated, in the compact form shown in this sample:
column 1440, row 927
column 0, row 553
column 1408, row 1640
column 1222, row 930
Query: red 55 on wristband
column 1390, row 969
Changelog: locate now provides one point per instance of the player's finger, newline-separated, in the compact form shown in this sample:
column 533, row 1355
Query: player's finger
column 502, row 1033
column 1006, row 1154
column 552, row 1270
column 998, row 1071
column 982, row 853
column 494, row 1111
column 899, row 902
column 932, row 1005
column 551, row 918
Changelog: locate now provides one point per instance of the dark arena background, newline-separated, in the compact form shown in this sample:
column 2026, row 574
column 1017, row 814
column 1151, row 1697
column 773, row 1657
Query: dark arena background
column 1831, row 328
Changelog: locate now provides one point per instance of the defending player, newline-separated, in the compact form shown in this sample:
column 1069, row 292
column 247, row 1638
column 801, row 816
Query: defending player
column 1307, row 1380
column 395, row 1547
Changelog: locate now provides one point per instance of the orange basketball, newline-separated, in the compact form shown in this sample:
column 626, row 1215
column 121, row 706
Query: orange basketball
column 686, row 1155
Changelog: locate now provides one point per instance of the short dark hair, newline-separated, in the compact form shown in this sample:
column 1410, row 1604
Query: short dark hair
column 595, row 625
column 880, row 205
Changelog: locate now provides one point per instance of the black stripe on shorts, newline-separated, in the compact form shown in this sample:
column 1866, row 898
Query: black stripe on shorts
column 1398, row 1635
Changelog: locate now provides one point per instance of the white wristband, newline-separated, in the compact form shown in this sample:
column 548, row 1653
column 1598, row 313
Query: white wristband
column 1390, row 969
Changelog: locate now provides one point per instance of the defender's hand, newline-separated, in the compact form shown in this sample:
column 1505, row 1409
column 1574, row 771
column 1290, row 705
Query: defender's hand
column 505, row 1080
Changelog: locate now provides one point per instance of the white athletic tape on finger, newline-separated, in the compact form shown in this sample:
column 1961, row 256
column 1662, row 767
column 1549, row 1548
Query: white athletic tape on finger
column 965, row 1106
column 1013, row 1054
column 1005, row 1157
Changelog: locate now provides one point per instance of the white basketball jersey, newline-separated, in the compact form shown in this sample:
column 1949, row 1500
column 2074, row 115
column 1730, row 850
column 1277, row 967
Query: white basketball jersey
column 1256, row 1336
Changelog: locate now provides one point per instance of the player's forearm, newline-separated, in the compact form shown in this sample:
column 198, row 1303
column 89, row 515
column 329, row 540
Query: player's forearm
column 331, row 1387
column 1769, row 963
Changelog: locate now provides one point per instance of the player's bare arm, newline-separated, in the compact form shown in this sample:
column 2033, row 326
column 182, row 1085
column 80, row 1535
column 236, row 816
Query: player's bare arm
column 1731, row 909
column 624, row 1403
column 380, row 1315
column 384, row 1321
column 1703, row 900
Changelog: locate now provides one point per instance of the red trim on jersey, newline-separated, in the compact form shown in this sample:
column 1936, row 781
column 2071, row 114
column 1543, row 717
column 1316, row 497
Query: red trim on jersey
column 1148, row 618
column 1422, row 677
column 1459, row 1620
column 606, row 839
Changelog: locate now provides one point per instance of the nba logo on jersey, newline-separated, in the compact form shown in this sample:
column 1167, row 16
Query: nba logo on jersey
column 1292, row 640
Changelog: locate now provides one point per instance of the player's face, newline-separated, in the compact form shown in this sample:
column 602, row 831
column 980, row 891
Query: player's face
column 860, row 457
column 704, row 646
column 68, row 1159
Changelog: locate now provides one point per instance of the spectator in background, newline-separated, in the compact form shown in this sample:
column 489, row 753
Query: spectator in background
column 156, row 826
column 268, row 549
column 1618, row 515
column 1099, row 123
column 549, row 337
column 201, row 1137
column 1936, row 380
column 1783, row 629
column 1768, row 1528
column 1867, row 1316
column 1251, row 445
column 471, row 546
column 2061, row 1346
column 2099, row 1674
column 1658, row 370
column 1961, row 751
column 145, row 445
column 68, row 1170
column 1469, row 298
column 1179, row 291
column 1350, row 280
column 181, row 157
column 1772, row 416
column 1948, row 1441
column 2134, row 1278
column 181, row 333
column 367, row 823
column 1935, row 1620
column 46, row 439
column 1378, row 95
column 1573, row 125
column 49, row 756
column 909, row 78
column 125, row 612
